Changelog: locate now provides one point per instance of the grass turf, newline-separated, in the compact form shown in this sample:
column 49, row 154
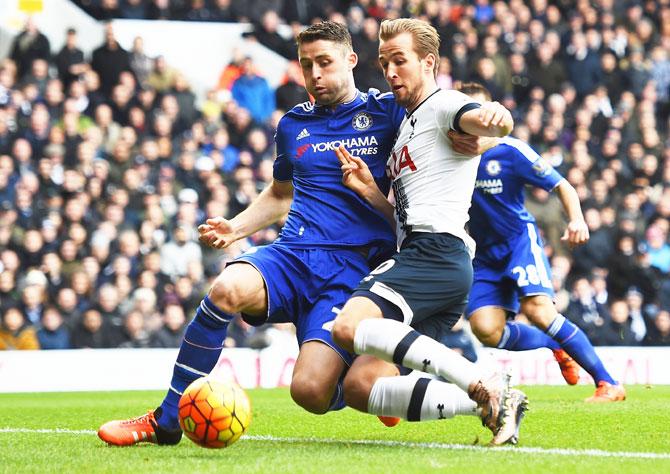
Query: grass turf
column 558, row 418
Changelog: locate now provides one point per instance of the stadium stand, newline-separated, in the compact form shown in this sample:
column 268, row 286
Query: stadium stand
column 107, row 166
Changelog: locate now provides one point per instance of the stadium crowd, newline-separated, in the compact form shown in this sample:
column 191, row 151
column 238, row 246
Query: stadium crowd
column 107, row 166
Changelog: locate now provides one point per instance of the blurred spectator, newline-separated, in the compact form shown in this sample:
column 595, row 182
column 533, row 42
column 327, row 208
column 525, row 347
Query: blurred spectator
column 583, row 65
column 659, row 335
column 162, row 77
column 109, row 61
column 546, row 71
column 140, row 63
column 639, row 315
column 29, row 45
column 292, row 92
column 172, row 331
column 53, row 334
column 91, row 332
column 134, row 9
column 252, row 92
column 266, row 34
column 658, row 248
column 368, row 73
column 70, row 59
column 596, row 252
column 178, row 252
column 132, row 334
column 617, row 330
column 585, row 311
column 16, row 332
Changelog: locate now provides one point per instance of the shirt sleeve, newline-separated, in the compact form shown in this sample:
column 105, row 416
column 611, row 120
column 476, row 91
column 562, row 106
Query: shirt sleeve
column 452, row 106
column 283, row 167
column 533, row 169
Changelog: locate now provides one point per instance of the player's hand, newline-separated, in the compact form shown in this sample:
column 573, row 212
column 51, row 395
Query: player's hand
column 577, row 233
column 217, row 233
column 494, row 114
column 470, row 145
column 355, row 172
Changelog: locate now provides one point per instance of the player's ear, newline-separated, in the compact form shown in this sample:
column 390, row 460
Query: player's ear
column 352, row 60
column 429, row 62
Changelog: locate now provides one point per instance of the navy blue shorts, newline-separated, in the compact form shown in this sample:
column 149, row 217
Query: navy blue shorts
column 307, row 287
column 508, row 271
column 425, row 285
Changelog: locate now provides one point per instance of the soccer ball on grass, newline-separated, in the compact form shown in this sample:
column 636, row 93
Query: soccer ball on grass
column 214, row 413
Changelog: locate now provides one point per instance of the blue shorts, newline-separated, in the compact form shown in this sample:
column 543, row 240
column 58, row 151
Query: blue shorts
column 307, row 287
column 506, row 272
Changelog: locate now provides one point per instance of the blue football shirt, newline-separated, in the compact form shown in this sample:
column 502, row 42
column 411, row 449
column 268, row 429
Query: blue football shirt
column 498, row 213
column 324, row 212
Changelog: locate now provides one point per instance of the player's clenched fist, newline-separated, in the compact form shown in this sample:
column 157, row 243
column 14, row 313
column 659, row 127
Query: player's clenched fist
column 493, row 114
column 217, row 233
column 577, row 233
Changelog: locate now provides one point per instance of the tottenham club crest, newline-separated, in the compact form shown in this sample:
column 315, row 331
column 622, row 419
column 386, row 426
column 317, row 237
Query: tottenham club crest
column 493, row 167
column 362, row 121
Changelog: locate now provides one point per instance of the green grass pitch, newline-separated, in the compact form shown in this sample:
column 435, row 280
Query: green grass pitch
column 560, row 434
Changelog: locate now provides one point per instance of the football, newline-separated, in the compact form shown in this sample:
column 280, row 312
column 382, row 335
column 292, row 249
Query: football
column 214, row 413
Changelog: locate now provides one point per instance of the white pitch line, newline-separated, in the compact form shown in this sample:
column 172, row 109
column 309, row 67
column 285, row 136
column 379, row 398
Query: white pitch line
column 404, row 444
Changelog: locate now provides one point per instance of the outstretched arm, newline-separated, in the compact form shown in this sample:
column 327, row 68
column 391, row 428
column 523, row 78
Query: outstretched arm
column 271, row 205
column 357, row 176
column 489, row 120
column 577, row 232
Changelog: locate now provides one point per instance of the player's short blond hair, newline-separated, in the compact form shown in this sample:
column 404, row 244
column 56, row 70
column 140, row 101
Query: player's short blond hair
column 426, row 38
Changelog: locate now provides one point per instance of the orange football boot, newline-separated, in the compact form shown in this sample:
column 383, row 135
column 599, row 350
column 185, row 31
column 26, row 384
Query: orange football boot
column 389, row 421
column 143, row 429
column 606, row 392
column 569, row 368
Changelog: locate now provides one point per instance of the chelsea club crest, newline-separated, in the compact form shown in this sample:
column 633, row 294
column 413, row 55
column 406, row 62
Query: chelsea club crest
column 362, row 121
column 493, row 167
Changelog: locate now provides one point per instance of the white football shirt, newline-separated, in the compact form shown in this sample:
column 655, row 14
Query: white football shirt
column 432, row 183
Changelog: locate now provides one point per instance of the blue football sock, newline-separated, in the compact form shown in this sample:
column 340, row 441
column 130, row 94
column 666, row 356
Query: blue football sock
column 198, row 354
column 522, row 337
column 577, row 345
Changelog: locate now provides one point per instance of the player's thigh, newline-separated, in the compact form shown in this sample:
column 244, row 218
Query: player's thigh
column 240, row 287
column 316, row 374
column 360, row 378
column 539, row 309
column 488, row 323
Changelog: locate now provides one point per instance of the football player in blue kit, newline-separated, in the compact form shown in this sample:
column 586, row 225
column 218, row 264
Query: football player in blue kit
column 330, row 240
column 511, row 271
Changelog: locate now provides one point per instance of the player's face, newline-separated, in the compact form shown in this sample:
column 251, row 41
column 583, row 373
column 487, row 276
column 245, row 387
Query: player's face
column 405, row 72
column 327, row 68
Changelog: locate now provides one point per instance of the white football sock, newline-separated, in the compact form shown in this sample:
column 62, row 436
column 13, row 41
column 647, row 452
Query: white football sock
column 396, row 342
column 418, row 399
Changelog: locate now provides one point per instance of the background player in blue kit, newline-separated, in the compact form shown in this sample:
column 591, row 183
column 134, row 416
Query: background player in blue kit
column 327, row 245
column 511, row 271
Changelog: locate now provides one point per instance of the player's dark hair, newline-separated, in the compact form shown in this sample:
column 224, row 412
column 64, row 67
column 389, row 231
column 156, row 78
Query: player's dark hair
column 326, row 30
column 471, row 88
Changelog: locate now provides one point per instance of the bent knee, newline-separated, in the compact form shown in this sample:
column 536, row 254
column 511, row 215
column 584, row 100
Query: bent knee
column 310, row 395
column 226, row 295
column 489, row 334
column 344, row 329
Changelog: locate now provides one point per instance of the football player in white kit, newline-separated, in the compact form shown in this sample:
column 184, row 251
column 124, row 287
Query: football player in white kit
column 423, row 289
